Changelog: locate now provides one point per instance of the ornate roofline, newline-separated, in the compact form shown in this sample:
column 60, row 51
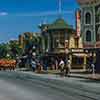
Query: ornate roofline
column 58, row 24
column 81, row 2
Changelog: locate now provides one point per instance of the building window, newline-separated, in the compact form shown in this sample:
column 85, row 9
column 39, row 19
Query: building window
column 88, row 18
column 88, row 36
column 77, row 60
column 98, row 15
column 98, row 34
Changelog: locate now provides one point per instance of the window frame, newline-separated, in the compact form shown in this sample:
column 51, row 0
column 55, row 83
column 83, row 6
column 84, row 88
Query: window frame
column 90, row 36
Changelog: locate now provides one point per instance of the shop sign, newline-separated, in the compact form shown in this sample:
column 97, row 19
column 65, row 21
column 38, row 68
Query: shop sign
column 77, row 50
column 78, row 23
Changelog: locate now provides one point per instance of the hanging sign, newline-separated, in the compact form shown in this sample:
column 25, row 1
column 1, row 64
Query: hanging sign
column 78, row 23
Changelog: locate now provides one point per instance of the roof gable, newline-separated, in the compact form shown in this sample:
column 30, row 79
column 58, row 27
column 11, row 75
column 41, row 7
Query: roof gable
column 58, row 24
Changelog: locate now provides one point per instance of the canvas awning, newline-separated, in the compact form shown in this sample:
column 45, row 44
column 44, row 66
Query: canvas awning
column 80, row 54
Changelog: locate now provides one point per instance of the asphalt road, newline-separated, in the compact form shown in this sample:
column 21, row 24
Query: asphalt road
column 22, row 86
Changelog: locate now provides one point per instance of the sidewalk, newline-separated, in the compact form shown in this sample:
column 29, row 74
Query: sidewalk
column 74, row 74
column 95, row 77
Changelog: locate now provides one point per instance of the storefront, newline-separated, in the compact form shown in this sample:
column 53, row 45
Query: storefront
column 78, row 59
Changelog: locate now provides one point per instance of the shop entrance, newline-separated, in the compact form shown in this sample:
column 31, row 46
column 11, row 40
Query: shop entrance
column 77, row 62
column 97, row 61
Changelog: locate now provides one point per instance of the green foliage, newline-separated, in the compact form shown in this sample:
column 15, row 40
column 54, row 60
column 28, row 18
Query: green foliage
column 12, row 49
column 15, row 49
column 3, row 50
column 32, row 40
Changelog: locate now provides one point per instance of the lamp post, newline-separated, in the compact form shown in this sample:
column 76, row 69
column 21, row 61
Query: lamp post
column 66, row 43
column 66, row 53
column 8, row 55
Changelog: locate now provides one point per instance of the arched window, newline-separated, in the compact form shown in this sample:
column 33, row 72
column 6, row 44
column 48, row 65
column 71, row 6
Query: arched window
column 98, row 15
column 88, row 36
column 88, row 18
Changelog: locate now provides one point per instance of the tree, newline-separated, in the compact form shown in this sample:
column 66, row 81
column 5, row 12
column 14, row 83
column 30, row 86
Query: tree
column 3, row 50
column 15, row 49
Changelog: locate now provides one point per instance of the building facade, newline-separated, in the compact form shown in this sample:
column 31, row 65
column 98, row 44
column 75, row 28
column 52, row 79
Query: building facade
column 56, row 36
column 90, row 22
column 90, row 28
column 62, row 40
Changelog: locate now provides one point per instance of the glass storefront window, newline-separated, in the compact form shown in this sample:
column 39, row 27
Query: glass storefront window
column 78, row 60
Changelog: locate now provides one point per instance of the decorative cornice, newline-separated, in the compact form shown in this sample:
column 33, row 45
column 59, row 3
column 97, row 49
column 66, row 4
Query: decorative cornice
column 98, row 44
column 82, row 2
column 88, row 45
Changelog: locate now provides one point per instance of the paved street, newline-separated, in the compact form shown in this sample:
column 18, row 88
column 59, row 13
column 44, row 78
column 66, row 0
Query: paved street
column 26, row 86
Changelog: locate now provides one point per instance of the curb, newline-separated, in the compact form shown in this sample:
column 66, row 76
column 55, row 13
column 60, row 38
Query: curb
column 71, row 75
column 83, row 77
column 77, row 76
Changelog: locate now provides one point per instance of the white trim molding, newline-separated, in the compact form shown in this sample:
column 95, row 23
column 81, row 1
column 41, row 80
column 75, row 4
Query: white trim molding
column 85, row 35
column 88, row 11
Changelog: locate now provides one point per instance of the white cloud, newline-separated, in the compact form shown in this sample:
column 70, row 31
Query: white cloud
column 3, row 13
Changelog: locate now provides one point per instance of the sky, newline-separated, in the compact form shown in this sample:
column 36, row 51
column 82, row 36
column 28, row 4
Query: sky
column 18, row 16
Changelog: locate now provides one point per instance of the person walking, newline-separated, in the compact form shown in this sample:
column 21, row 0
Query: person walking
column 61, row 65
column 33, row 64
column 69, row 66
column 65, row 67
column 56, row 64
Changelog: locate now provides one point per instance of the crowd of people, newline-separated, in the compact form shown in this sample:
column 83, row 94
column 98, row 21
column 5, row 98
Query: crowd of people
column 48, row 62
column 51, row 63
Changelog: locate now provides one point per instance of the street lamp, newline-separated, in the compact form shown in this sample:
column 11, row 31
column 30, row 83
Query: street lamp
column 57, row 41
column 8, row 55
column 90, row 54
column 66, row 51
column 66, row 41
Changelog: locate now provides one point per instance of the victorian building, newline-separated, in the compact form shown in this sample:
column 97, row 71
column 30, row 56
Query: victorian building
column 56, row 36
column 60, row 39
column 90, row 22
column 90, row 26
